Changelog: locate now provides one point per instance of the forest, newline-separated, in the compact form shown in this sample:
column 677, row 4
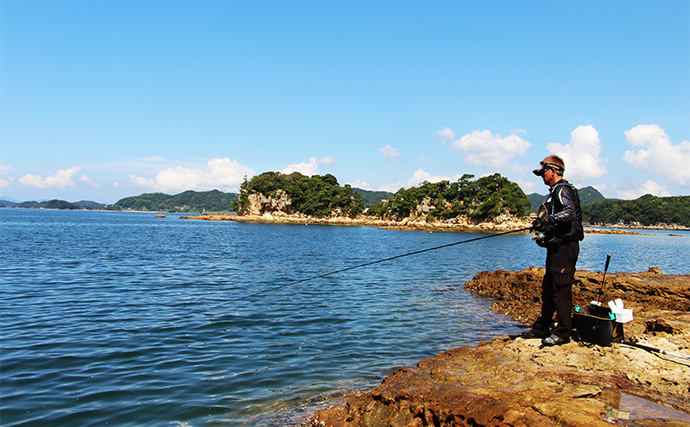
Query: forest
column 647, row 210
column 486, row 197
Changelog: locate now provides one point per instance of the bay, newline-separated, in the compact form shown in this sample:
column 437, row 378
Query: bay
column 125, row 319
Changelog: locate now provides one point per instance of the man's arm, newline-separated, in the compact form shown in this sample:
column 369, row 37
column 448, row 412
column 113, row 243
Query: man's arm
column 567, row 200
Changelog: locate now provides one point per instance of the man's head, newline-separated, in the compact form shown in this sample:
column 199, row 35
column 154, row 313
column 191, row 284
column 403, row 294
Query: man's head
column 551, row 170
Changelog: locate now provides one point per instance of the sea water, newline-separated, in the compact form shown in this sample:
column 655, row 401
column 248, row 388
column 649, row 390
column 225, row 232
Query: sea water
column 111, row 318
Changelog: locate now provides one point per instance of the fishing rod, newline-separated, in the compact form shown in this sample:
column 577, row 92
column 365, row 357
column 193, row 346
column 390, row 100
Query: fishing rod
column 274, row 288
column 656, row 350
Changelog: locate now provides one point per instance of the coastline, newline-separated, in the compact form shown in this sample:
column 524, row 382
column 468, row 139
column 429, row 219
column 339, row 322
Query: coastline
column 500, row 224
column 512, row 381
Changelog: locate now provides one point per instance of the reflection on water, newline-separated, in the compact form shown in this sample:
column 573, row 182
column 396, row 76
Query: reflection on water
column 626, row 409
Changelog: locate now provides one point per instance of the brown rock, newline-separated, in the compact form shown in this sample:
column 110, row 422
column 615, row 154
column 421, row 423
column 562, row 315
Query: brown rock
column 515, row 382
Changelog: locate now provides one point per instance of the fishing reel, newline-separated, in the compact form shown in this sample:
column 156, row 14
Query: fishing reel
column 546, row 235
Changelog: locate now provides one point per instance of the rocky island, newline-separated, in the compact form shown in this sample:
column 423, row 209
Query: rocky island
column 491, row 203
column 511, row 381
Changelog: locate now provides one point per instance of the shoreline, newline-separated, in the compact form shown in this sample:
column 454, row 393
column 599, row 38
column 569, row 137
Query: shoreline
column 512, row 381
column 412, row 225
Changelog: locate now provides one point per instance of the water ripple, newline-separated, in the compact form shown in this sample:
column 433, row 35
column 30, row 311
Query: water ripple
column 119, row 318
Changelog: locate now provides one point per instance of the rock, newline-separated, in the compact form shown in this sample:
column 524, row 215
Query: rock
column 260, row 205
column 511, row 381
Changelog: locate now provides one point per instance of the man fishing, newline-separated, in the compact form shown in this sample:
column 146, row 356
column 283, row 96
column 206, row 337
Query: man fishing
column 560, row 222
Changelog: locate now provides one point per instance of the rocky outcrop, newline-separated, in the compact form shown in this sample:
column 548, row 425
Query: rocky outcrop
column 511, row 381
column 259, row 204
column 519, row 293
column 498, row 224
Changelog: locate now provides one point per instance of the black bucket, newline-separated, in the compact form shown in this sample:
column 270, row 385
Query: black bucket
column 594, row 325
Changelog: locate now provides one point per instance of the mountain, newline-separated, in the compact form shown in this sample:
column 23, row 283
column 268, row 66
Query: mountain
column 89, row 205
column 535, row 200
column 371, row 198
column 188, row 201
column 587, row 195
column 7, row 203
column 647, row 210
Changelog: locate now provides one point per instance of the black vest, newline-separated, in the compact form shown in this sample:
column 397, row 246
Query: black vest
column 567, row 230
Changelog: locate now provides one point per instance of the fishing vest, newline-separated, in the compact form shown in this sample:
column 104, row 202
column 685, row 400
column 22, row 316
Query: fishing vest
column 566, row 230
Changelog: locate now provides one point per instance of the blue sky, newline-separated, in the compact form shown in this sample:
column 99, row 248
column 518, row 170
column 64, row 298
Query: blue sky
column 107, row 99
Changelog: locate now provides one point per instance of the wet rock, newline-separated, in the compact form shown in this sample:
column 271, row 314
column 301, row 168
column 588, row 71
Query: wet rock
column 511, row 381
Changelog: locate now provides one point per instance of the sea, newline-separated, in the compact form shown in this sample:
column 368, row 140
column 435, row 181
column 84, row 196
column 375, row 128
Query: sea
column 121, row 318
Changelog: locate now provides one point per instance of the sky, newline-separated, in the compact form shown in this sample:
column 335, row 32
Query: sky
column 101, row 100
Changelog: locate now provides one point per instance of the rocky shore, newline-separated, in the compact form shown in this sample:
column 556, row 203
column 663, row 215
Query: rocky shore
column 498, row 224
column 512, row 381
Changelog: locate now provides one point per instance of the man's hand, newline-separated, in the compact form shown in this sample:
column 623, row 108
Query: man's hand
column 539, row 223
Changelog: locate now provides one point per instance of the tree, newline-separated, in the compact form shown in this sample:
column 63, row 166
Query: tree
column 316, row 195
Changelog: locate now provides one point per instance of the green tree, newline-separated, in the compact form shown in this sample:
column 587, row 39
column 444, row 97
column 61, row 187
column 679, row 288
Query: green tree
column 316, row 195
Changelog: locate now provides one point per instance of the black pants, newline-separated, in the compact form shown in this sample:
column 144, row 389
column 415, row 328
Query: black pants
column 557, row 288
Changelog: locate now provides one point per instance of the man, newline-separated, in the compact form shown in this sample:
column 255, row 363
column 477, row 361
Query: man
column 560, row 222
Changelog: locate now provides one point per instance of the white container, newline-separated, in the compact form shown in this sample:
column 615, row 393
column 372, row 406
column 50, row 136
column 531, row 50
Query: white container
column 623, row 315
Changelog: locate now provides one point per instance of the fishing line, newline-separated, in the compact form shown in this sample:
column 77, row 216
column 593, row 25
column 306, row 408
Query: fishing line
column 274, row 288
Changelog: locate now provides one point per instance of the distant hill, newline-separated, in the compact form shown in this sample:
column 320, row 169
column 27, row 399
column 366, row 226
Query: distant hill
column 188, row 201
column 535, row 200
column 648, row 210
column 587, row 195
column 371, row 198
column 90, row 205
column 31, row 204
column 53, row 204
column 59, row 204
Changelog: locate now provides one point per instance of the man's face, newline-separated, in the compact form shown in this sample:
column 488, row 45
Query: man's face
column 550, row 177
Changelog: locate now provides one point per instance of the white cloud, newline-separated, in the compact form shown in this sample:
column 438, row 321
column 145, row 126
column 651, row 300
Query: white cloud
column 221, row 173
column 143, row 165
column 389, row 153
column 310, row 167
column 226, row 173
column 656, row 154
column 581, row 155
column 60, row 179
column 487, row 150
column 85, row 179
column 5, row 179
column 528, row 187
column 649, row 187
column 391, row 188
column 421, row 175
column 360, row 184
column 156, row 159
column 446, row 134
